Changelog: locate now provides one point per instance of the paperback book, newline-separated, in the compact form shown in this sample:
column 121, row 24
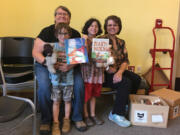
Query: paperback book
column 76, row 51
column 100, row 48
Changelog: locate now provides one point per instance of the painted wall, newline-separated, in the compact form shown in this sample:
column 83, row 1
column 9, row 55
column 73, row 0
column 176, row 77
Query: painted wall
column 28, row 17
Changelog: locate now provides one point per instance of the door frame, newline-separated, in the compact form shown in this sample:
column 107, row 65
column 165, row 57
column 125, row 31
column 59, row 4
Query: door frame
column 176, row 53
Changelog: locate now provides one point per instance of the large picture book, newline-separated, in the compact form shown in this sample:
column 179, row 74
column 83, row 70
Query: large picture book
column 100, row 48
column 76, row 51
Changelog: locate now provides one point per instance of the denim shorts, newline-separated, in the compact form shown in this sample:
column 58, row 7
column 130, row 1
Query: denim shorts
column 62, row 92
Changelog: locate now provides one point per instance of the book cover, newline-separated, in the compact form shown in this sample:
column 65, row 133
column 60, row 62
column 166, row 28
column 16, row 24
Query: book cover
column 76, row 51
column 100, row 48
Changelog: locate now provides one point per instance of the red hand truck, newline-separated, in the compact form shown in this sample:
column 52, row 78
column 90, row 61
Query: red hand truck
column 153, row 51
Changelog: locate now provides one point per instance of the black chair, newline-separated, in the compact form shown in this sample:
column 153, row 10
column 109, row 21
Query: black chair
column 16, row 65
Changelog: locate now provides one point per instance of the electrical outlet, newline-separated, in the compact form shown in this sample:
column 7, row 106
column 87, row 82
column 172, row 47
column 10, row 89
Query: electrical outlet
column 138, row 69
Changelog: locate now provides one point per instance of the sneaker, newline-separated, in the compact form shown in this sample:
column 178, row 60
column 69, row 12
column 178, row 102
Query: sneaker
column 119, row 120
column 88, row 121
column 97, row 120
column 80, row 126
column 45, row 129
column 66, row 125
column 55, row 129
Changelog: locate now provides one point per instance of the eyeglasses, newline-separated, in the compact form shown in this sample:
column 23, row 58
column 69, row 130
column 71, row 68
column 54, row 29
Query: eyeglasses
column 63, row 34
column 63, row 14
column 110, row 25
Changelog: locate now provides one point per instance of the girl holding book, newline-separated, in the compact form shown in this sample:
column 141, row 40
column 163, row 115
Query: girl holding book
column 92, row 75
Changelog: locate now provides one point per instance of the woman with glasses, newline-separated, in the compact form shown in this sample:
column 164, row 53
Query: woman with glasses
column 117, row 77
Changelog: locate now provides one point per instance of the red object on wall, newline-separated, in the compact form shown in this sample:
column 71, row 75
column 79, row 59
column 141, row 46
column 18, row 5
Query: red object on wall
column 131, row 68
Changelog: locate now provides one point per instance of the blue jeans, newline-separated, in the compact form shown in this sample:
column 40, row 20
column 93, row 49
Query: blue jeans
column 44, row 94
column 78, row 101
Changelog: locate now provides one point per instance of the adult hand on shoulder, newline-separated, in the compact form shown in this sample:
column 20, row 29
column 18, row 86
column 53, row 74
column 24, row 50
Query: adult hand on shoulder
column 117, row 77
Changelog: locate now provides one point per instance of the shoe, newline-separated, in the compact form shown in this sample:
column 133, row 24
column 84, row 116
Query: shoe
column 45, row 129
column 119, row 120
column 80, row 126
column 56, row 129
column 66, row 125
column 97, row 120
column 88, row 121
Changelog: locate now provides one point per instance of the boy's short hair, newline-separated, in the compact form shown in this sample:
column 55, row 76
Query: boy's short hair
column 60, row 26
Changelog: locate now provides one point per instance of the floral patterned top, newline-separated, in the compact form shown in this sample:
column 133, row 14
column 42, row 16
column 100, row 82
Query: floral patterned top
column 120, row 54
column 91, row 73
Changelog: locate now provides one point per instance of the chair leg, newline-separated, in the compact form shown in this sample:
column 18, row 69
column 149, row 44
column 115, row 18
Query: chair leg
column 35, row 103
column 34, row 124
column 33, row 109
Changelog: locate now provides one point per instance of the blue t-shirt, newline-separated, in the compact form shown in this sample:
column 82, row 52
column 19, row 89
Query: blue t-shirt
column 61, row 78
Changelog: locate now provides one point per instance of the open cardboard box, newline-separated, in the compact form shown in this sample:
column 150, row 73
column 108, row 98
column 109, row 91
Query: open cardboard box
column 148, row 115
column 172, row 98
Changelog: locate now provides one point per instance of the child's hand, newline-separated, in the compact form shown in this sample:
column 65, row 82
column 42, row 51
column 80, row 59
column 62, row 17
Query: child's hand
column 56, row 65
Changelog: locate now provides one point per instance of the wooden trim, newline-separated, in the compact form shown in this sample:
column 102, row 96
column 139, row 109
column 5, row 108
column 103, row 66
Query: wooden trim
column 176, row 53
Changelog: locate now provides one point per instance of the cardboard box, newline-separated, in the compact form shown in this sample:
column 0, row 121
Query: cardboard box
column 159, row 78
column 172, row 98
column 148, row 115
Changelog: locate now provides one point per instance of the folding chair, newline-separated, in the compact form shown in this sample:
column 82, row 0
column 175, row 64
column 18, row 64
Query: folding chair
column 16, row 65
